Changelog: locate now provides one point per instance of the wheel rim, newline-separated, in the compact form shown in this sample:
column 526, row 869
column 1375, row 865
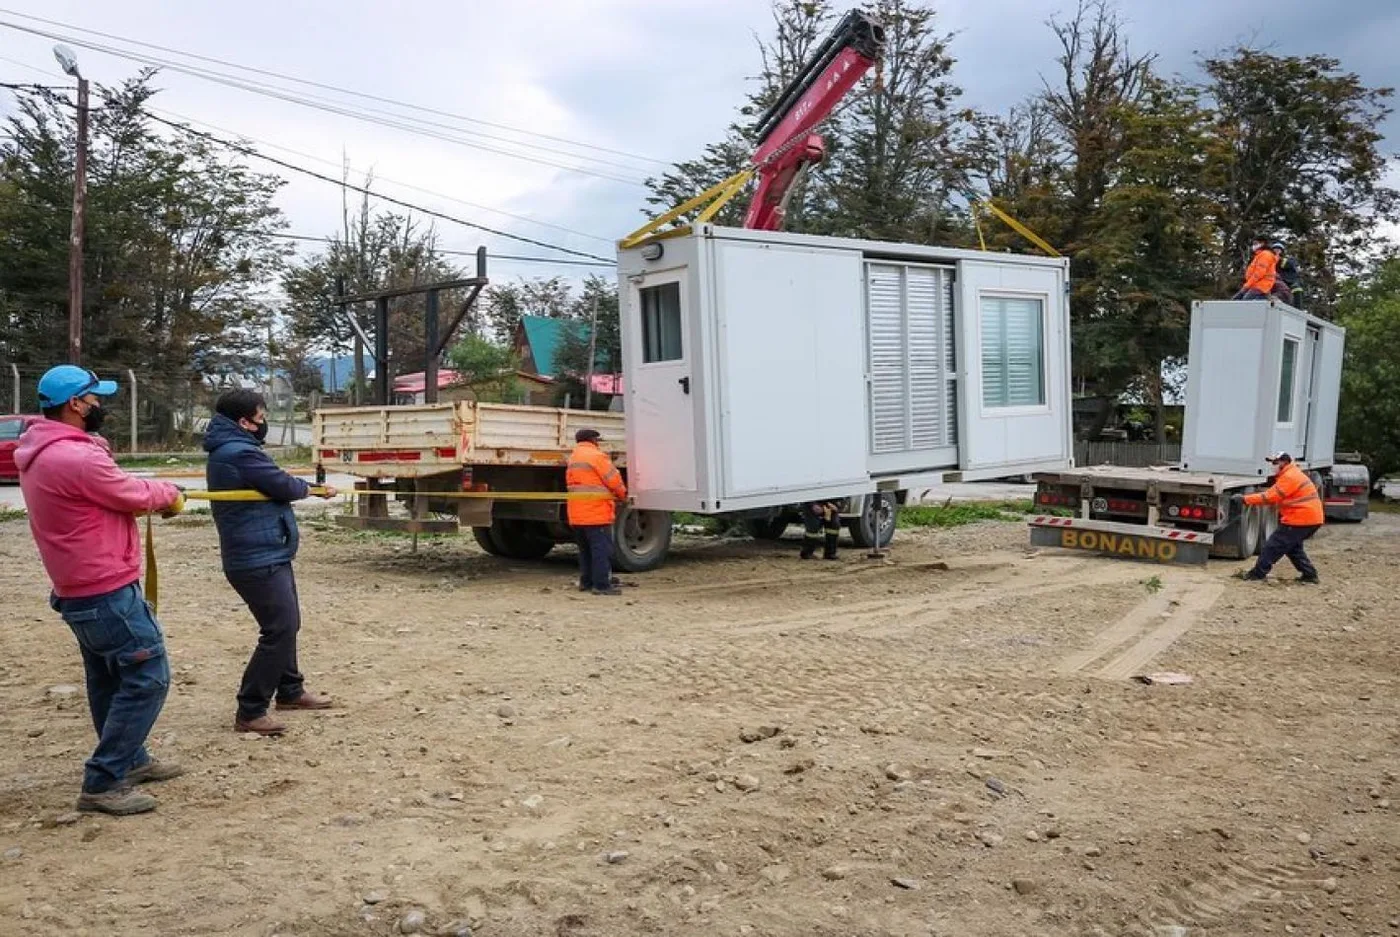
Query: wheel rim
column 641, row 534
column 884, row 518
column 1250, row 522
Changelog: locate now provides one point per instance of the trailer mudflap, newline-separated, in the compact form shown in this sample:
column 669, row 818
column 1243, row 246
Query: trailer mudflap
column 1129, row 541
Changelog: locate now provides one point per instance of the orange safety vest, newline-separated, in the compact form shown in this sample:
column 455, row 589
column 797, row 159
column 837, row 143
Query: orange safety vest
column 1298, row 500
column 1262, row 272
column 590, row 470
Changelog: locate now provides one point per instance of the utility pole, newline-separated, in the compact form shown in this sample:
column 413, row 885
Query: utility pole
column 69, row 61
column 592, row 351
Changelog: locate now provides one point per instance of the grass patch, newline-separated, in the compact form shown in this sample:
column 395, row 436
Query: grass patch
column 959, row 513
column 1385, row 506
column 192, row 460
column 11, row 514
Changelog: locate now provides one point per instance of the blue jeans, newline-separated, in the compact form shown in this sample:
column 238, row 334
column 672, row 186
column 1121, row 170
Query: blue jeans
column 595, row 546
column 128, row 676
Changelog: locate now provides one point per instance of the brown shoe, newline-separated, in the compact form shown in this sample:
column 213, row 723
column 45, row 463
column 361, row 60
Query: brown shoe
column 118, row 802
column 154, row 770
column 307, row 700
column 263, row 725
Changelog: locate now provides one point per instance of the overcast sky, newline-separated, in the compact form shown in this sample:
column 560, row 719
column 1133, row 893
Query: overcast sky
column 651, row 79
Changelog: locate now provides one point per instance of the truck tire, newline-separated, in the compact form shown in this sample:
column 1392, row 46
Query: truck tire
column 875, row 526
column 641, row 539
column 767, row 528
column 1241, row 539
column 486, row 541
column 521, row 540
column 1268, row 523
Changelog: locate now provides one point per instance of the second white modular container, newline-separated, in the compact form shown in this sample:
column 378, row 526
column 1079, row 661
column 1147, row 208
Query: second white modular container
column 765, row 368
column 1262, row 377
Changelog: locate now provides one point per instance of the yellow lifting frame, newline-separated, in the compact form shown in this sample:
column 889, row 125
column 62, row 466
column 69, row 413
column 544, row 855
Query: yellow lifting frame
column 717, row 196
column 986, row 204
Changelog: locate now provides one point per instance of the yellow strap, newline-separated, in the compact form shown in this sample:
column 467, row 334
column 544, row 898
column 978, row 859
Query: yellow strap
column 1020, row 229
column 152, row 574
column 719, row 193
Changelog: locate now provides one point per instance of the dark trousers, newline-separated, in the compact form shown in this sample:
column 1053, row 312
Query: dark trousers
column 128, row 677
column 595, row 546
column 1250, row 294
column 820, row 524
column 1287, row 541
column 270, row 593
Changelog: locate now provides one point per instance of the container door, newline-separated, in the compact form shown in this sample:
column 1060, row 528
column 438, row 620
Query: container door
column 1294, row 353
column 660, row 398
column 1013, row 349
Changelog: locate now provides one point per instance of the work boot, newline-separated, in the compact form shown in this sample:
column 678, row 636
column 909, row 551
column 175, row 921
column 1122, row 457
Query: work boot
column 809, row 547
column 154, row 770
column 263, row 725
column 1310, row 580
column 1250, row 575
column 307, row 700
column 610, row 590
column 829, row 550
column 119, row 802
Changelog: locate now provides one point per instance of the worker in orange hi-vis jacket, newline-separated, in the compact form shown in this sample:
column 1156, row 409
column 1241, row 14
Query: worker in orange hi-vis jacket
column 591, row 471
column 1262, row 273
column 1300, row 515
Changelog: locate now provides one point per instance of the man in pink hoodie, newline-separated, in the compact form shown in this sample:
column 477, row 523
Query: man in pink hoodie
column 81, row 512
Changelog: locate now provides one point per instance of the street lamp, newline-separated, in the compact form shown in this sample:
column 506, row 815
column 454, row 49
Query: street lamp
column 68, row 61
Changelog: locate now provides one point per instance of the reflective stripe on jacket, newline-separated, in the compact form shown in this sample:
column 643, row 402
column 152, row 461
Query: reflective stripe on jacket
column 1298, row 500
column 590, row 470
column 1262, row 272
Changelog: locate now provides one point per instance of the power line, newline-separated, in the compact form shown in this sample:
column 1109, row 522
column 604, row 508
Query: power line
column 367, row 115
column 406, row 185
column 327, row 87
column 249, row 151
column 322, row 239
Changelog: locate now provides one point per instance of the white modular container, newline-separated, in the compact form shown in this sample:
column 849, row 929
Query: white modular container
column 1262, row 377
column 765, row 368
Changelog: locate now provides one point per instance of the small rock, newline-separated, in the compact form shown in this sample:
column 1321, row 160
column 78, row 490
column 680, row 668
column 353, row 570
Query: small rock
column 896, row 773
column 35, row 733
column 797, row 767
column 759, row 734
column 908, row 884
column 990, row 840
column 62, row 691
column 1093, row 852
column 91, row 833
column 1383, row 803
column 532, row 802
column 616, row 856
column 721, row 867
column 372, row 897
column 457, row 929
column 1329, row 885
column 996, row 786
column 412, row 921
column 67, row 819
column 505, row 711
column 1304, row 838
column 987, row 753
column 746, row 783
column 835, row 873
column 1052, row 834
column 775, row 874
column 14, row 853
column 1023, row 886
column 1032, row 836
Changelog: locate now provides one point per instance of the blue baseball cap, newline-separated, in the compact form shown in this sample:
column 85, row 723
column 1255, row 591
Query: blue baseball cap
column 66, row 381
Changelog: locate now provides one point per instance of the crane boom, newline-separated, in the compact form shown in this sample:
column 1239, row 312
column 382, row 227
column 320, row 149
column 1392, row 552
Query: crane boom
column 786, row 143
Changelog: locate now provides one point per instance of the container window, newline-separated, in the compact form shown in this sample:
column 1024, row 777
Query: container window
column 1286, row 376
column 10, row 429
column 1013, row 352
column 661, row 323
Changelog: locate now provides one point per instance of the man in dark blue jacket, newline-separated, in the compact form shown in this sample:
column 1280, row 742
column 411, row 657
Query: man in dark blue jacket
column 258, row 541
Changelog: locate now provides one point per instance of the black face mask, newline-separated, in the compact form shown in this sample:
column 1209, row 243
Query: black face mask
column 260, row 431
column 92, row 420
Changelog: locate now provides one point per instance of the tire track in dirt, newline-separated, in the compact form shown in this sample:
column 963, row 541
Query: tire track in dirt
column 1198, row 599
column 1225, row 895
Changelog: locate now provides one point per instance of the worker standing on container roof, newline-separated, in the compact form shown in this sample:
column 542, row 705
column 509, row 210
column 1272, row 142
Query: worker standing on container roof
column 81, row 509
column 1300, row 515
column 1262, row 272
column 820, row 520
column 1289, row 282
column 590, row 471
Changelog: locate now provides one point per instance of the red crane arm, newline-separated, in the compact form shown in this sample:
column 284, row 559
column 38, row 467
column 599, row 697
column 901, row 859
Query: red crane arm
column 786, row 144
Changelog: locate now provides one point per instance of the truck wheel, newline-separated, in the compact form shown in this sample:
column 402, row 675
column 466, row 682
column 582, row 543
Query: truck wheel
column 486, row 541
column 641, row 539
column 1268, row 523
column 876, row 523
column 1241, row 538
column 521, row 540
column 767, row 528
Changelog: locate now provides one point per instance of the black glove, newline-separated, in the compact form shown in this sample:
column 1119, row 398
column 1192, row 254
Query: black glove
column 1237, row 499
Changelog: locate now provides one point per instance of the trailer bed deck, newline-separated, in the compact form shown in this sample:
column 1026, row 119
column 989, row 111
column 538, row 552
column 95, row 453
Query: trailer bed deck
column 1164, row 478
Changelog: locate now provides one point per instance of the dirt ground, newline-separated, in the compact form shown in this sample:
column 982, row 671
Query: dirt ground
column 962, row 750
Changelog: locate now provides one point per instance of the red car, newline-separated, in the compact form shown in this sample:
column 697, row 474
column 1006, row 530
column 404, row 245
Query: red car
column 11, row 428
